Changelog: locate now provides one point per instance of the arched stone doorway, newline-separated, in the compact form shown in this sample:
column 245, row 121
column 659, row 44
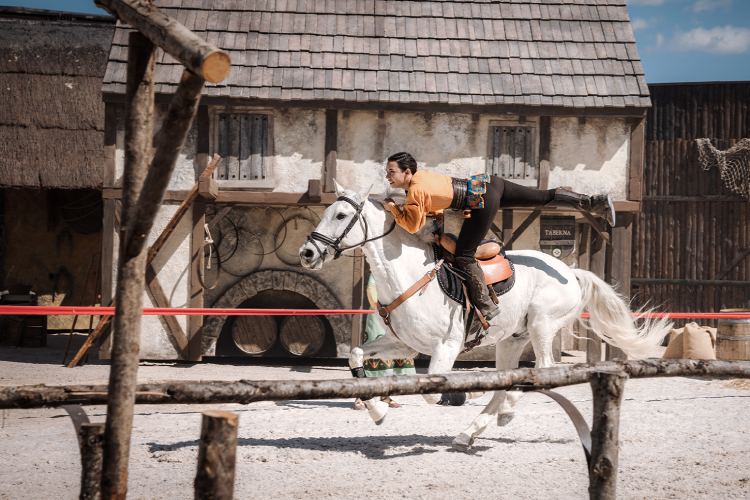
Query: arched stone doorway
column 280, row 280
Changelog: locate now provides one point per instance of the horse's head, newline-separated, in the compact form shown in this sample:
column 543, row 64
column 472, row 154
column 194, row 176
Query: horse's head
column 342, row 227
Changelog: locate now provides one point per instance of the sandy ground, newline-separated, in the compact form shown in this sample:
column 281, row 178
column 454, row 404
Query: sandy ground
column 681, row 438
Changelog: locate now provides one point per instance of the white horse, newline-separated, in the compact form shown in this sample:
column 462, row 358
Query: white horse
column 547, row 296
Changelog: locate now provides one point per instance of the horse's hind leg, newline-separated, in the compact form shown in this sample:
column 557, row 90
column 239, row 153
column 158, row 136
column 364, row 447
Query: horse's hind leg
column 507, row 354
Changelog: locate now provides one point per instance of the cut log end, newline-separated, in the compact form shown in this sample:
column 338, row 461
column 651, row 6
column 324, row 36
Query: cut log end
column 216, row 66
column 229, row 416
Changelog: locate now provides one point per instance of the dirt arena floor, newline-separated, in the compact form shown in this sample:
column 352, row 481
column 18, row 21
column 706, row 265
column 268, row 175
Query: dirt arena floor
column 681, row 438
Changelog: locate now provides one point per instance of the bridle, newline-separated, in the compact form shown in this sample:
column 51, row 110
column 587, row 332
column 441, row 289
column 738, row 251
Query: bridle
column 334, row 243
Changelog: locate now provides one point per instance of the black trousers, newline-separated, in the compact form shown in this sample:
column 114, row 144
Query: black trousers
column 499, row 192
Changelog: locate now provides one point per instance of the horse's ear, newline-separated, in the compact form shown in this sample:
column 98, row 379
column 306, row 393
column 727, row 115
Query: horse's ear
column 338, row 188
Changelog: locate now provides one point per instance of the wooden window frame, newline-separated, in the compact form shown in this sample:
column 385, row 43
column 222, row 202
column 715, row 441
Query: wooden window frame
column 268, row 159
column 528, row 122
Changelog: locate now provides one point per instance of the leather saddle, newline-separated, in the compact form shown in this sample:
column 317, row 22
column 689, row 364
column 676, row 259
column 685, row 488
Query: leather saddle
column 494, row 264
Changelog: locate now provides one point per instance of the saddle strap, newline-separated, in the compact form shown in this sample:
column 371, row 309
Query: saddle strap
column 385, row 311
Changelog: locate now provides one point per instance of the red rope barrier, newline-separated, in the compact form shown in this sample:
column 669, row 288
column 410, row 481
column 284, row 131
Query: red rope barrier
column 207, row 311
column 171, row 311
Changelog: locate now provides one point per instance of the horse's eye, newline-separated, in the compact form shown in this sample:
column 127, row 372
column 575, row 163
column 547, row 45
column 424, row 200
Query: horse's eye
column 340, row 216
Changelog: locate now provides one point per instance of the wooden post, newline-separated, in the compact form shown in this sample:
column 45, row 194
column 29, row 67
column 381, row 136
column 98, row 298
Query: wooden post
column 607, row 389
column 619, row 264
column 598, row 254
column 507, row 229
column 197, row 265
column 130, row 275
column 217, row 456
column 91, row 437
column 331, row 141
column 196, row 54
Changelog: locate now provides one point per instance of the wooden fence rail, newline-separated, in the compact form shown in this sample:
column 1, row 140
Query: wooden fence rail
column 248, row 391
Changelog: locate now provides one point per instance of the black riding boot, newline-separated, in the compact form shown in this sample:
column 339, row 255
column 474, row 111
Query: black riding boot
column 475, row 286
column 599, row 205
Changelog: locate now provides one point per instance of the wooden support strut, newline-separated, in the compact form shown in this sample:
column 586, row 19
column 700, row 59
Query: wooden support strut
column 197, row 55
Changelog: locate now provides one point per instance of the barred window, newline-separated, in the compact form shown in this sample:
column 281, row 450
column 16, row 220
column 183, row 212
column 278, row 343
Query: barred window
column 512, row 152
column 243, row 142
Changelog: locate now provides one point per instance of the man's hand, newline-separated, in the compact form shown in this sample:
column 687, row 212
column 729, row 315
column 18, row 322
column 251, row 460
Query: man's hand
column 389, row 204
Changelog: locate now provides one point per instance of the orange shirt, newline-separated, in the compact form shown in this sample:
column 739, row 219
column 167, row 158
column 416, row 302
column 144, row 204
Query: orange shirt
column 428, row 192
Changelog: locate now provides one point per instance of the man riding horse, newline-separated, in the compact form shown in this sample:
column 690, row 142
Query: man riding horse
column 479, row 197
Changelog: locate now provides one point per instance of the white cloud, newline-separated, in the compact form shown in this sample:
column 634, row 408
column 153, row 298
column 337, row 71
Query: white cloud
column 639, row 23
column 721, row 40
column 703, row 5
column 659, row 40
column 647, row 2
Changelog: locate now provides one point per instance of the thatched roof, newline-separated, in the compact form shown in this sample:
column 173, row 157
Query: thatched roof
column 52, row 116
column 561, row 53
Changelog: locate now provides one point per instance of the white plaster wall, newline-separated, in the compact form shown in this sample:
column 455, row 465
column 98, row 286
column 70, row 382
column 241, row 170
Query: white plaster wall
column 452, row 143
column 591, row 155
column 299, row 148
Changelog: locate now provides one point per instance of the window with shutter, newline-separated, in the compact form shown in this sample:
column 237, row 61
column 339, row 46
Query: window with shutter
column 243, row 141
column 512, row 153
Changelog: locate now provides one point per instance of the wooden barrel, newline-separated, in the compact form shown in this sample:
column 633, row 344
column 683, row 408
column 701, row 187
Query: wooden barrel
column 733, row 337
column 254, row 334
column 302, row 335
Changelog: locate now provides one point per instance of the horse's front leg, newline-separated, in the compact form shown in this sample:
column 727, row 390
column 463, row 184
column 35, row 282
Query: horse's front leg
column 502, row 404
column 443, row 356
column 384, row 347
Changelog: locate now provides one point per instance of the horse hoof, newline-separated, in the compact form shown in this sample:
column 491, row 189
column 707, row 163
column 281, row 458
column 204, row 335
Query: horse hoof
column 462, row 442
column 504, row 419
column 377, row 410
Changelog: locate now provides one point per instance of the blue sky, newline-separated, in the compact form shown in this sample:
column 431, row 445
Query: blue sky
column 692, row 40
column 679, row 40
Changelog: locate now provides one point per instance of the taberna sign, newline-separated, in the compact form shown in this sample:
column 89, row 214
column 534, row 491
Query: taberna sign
column 557, row 235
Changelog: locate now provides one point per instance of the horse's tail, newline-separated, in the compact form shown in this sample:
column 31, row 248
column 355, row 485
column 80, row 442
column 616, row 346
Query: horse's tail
column 611, row 319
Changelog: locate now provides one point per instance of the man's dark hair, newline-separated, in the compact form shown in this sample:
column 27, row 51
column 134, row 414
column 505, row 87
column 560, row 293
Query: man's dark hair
column 405, row 161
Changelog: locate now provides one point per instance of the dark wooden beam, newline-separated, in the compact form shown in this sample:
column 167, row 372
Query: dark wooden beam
column 637, row 155
column 314, row 190
column 528, row 221
column 618, row 266
column 331, row 145
column 197, row 286
column 597, row 265
column 197, row 55
column 545, row 146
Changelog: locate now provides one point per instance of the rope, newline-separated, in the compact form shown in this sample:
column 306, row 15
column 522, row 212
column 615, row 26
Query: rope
column 209, row 311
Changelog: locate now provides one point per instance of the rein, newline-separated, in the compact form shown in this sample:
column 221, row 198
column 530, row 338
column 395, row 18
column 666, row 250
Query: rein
column 334, row 243
column 385, row 311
